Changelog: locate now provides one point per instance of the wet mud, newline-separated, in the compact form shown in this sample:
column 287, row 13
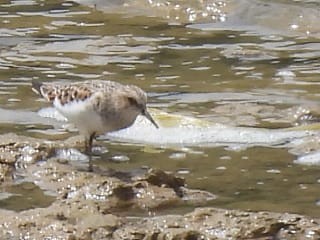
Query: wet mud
column 108, row 204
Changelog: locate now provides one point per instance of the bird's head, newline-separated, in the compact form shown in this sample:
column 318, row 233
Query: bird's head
column 137, row 99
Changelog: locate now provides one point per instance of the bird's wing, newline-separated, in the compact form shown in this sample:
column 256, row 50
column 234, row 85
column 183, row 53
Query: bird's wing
column 64, row 93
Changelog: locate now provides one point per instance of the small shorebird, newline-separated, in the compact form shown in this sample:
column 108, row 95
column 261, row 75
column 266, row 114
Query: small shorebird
column 96, row 107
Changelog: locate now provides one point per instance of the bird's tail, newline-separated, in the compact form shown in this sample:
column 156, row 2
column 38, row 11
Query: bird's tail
column 36, row 87
column 43, row 90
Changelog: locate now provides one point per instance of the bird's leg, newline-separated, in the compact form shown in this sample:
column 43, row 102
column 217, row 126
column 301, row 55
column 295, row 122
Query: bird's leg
column 92, row 136
column 88, row 143
column 88, row 146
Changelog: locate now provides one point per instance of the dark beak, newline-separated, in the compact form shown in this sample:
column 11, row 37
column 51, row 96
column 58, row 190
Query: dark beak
column 148, row 116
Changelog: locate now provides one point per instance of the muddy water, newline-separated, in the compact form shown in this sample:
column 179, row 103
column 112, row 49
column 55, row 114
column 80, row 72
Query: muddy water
column 241, row 63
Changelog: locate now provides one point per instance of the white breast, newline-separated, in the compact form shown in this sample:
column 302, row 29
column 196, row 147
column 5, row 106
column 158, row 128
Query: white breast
column 83, row 115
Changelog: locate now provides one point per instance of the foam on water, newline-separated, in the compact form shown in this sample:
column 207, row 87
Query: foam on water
column 51, row 113
column 312, row 158
column 215, row 134
column 190, row 131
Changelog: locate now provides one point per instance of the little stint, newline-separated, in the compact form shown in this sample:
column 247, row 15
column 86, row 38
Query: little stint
column 96, row 107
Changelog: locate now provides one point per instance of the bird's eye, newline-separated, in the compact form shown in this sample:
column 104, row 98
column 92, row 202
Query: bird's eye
column 133, row 101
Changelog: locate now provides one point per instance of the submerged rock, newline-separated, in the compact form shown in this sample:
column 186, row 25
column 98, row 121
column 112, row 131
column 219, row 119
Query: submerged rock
column 105, row 204
column 212, row 223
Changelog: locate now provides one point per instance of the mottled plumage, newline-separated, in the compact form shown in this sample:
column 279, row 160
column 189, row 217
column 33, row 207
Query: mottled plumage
column 96, row 107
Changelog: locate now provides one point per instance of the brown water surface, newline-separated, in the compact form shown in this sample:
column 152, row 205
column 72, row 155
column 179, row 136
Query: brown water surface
column 233, row 67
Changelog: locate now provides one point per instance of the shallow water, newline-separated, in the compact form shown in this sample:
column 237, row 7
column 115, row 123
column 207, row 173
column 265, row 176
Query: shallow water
column 240, row 63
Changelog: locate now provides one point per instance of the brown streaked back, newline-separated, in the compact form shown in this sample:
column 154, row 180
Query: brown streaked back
column 63, row 92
